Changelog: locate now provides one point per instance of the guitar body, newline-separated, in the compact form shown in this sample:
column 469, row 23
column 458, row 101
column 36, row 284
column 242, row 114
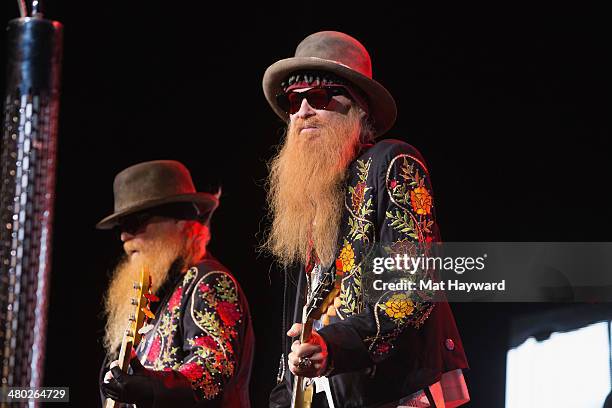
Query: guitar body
column 302, row 393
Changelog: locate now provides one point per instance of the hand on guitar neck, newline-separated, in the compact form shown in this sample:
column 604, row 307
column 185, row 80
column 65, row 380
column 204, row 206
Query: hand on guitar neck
column 309, row 357
column 311, row 346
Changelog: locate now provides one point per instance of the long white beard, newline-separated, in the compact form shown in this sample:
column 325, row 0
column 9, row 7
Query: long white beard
column 158, row 259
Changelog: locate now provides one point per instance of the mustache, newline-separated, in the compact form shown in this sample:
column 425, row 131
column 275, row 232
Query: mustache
column 308, row 122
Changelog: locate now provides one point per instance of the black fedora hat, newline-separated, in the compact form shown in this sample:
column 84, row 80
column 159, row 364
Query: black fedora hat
column 152, row 184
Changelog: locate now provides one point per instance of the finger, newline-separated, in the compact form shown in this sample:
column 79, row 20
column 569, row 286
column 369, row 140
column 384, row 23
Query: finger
column 292, row 359
column 307, row 350
column 317, row 358
column 295, row 330
column 295, row 345
column 295, row 369
column 107, row 377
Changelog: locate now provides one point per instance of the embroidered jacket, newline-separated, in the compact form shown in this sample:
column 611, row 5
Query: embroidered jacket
column 203, row 331
column 382, row 349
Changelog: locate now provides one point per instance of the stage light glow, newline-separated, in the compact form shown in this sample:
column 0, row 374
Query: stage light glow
column 569, row 369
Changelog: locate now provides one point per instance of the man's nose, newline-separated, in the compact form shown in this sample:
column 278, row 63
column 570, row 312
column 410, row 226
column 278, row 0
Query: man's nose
column 126, row 236
column 305, row 111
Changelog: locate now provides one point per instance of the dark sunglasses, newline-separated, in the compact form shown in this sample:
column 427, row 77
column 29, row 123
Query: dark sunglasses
column 133, row 223
column 180, row 211
column 318, row 98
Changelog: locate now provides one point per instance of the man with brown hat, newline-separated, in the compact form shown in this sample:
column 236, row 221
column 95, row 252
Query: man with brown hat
column 199, row 347
column 333, row 194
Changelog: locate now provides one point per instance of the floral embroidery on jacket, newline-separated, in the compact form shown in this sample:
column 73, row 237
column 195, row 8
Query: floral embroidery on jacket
column 350, row 298
column 213, row 351
column 408, row 191
column 358, row 205
column 162, row 353
column 204, row 350
column 361, row 204
column 401, row 188
column 346, row 259
column 398, row 307
column 409, row 215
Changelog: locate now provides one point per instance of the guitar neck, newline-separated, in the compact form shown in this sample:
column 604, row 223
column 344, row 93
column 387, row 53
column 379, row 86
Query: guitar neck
column 323, row 296
column 306, row 330
column 124, row 361
column 132, row 334
column 124, row 355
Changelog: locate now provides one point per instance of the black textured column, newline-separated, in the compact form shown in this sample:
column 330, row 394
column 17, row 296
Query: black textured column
column 27, row 161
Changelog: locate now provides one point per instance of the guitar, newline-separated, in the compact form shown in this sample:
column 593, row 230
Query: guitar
column 323, row 295
column 133, row 333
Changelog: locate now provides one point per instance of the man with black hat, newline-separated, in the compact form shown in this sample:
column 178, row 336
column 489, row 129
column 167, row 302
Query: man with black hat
column 199, row 348
column 333, row 195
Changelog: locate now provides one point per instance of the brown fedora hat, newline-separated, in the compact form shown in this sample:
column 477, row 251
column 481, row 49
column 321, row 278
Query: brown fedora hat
column 152, row 184
column 342, row 55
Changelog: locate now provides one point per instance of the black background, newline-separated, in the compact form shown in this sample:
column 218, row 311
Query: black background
column 508, row 104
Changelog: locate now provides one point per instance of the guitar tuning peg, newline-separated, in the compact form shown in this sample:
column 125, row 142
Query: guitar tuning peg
column 148, row 312
column 128, row 333
column 132, row 317
column 145, row 329
column 134, row 302
column 136, row 285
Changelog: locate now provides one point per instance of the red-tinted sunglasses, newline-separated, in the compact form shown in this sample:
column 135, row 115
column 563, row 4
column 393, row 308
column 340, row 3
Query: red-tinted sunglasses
column 318, row 98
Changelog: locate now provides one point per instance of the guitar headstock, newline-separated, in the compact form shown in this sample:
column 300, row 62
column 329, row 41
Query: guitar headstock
column 141, row 301
column 142, row 310
column 138, row 318
column 323, row 295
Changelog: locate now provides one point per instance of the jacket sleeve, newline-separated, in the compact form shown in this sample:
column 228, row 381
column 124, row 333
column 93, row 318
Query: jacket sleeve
column 168, row 388
column 404, row 215
column 211, row 327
